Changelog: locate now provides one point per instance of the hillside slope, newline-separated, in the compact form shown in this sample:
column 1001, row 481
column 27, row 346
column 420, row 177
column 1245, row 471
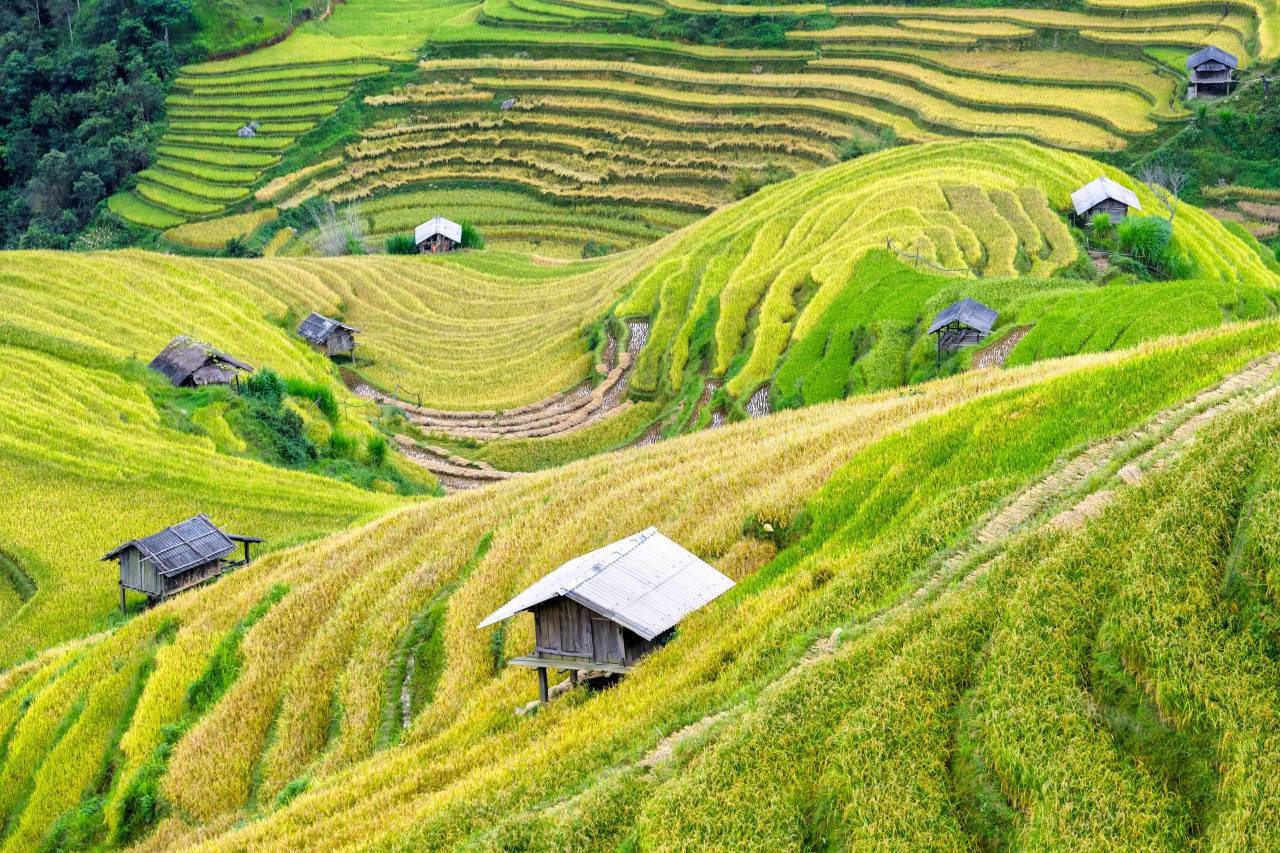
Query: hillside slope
column 99, row 453
column 624, row 115
column 754, row 279
column 1028, row 567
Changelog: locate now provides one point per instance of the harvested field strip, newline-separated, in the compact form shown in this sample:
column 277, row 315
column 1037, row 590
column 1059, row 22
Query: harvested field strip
column 1058, row 68
column 582, row 135
column 673, row 152
column 642, row 192
column 936, row 112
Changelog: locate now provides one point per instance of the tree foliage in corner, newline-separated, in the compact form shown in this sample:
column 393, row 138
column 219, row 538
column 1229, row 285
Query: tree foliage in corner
column 82, row 86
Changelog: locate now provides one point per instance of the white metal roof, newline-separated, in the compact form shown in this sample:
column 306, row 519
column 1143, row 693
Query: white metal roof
column 438, row 225
column 646, row 582
column 1103, row 188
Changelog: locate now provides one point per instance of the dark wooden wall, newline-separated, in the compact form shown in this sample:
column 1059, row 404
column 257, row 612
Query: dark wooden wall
column 566, row 628
column 1117, row 210
column 177, row 583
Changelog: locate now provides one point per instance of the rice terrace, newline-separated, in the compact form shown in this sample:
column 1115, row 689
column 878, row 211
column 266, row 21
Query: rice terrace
column 639, row 425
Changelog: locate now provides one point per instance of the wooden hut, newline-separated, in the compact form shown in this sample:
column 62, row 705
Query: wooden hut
column 327, row 335
column 189, row 363
column 1104, row 195
column 1211, row 71
column 437, row 235
column 605, row 610
column 961, row 324
column 177, row 558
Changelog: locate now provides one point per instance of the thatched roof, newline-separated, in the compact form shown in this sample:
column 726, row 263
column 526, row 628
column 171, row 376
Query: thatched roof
column 187, row 361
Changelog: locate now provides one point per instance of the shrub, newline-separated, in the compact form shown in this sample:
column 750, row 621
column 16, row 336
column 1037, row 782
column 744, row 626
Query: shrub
column 267, row 386
column 341, row 444
column 471, row 237
column 401, row 244
column 377, row 450
column 1100, row 227
column 746, row 182
column 592, row 249
column 314, row 392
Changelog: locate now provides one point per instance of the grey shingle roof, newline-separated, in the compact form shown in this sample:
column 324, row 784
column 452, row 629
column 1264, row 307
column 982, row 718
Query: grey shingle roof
column 190, row 543
column 438, row 225
column 645, row 582
column 317, row 328
column 1100, row 189
column 967, row 312
column 184, row 356
column 1216, row 54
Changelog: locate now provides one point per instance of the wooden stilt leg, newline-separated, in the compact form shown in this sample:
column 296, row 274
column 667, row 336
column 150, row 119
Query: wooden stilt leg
column 573, row 677
column 542, row 684
column 122, row 610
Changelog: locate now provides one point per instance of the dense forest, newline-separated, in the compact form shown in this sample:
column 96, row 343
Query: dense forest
column 82, row 87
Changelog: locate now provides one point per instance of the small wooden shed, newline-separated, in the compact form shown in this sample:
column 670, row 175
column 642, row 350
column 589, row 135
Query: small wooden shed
column 177, row 558
column 190, row 363
column 329, row 336
column 607, row 609
column 962, row 323
column 1104, row 195
column 1211, row 71
column 437, row 235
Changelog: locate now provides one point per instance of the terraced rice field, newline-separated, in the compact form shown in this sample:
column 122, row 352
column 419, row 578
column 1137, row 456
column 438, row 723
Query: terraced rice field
column 982, row 560
column 754, row 280
column 605, row 119
column 203, row 166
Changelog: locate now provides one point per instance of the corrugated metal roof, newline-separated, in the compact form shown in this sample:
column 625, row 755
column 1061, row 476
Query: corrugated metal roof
column 1215, row 54
column 190, row 543
column 1098, row 190
column 645, row 582
column 183, row 356
column 968, row 312
column 438, row 225
column 317, row 328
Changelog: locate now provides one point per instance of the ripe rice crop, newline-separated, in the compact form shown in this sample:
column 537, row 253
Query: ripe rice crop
column 1189, row 38
column 890, row 488
column 213, row 234
column 841, row 215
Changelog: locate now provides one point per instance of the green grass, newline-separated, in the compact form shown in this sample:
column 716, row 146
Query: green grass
column 138, row 211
